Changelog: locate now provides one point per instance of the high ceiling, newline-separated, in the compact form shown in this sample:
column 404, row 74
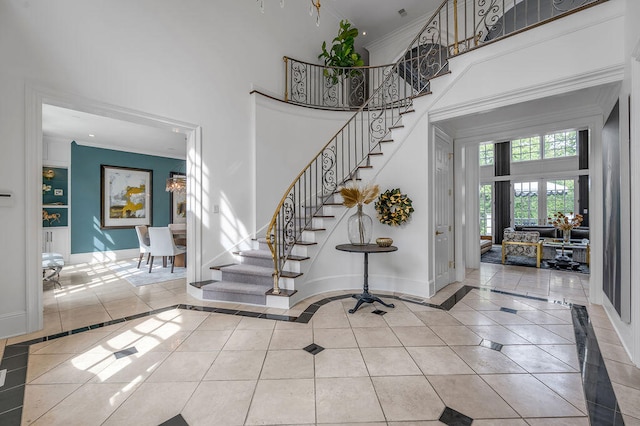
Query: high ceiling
column 376, row 18
column 379, row 18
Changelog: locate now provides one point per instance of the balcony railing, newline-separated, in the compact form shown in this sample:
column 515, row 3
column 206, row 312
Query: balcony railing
column 454, row 28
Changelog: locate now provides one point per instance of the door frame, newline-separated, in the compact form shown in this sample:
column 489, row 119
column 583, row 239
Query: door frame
column 35, row 97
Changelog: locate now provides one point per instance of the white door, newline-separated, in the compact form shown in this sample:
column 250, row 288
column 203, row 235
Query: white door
column 443, row 204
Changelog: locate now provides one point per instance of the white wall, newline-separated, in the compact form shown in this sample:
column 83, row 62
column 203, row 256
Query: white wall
column 188, row 61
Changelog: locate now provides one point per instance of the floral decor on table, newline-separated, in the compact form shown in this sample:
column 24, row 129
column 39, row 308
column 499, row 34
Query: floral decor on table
column 565, row 223
column 360, row 224
column 394, row 208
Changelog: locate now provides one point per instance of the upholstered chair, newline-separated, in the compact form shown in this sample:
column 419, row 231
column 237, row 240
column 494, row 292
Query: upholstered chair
column 522, row 243
column 162, row 244
column 143, row 240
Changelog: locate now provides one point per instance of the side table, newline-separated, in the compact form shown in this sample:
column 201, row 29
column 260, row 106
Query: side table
column 366, row 297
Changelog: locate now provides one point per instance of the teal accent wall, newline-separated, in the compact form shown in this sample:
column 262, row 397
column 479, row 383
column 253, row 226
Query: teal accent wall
column 86, row 235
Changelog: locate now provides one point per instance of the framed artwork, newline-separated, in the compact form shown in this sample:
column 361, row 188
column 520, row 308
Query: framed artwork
column 125, row 197
column 178, row 202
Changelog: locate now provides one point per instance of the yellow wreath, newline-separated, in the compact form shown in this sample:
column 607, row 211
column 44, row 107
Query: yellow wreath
column 394, row 208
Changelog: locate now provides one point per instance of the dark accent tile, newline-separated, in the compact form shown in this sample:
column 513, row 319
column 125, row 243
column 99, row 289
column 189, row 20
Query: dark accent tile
column 304, row 318
column 379, row 312
column 249, row 314
column 225, row 311
column 175, row 421
column 509, row 310
column 56, row 336
column 14, row 350
column 14, row 378
column 599, row 415
column 311, row 309
column 31, row 342
column 456, row 297
column 491, row 345
column 12, row 417
column 14, row 362
column 11, row 399
column 452, row 417
column 314, row 349
column 277, row 317
column 125, row 352
column 80, row 330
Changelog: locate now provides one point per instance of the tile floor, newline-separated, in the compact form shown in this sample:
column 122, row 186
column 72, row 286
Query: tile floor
column 413, row 365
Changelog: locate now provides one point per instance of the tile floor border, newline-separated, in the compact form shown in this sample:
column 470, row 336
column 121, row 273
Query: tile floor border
column 599, row 394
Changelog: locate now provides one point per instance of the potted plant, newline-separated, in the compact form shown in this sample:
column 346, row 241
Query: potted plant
column 343, row 55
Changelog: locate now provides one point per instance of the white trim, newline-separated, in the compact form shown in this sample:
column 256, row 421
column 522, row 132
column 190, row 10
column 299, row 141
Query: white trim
column 13, row 323
column 148, row 150
column 35, row 97
column 603, row 76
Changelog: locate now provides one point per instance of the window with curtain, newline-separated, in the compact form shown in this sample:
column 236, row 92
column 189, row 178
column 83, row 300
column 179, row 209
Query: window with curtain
column 486, row 209
column 486, row 154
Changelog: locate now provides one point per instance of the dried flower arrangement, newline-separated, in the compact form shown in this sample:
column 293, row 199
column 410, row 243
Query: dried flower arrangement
column 354, row 195
column 565, row 222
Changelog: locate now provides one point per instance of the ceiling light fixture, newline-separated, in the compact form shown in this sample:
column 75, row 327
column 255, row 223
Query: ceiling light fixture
column 91, row 135
column 176, row 183
column 314, row 6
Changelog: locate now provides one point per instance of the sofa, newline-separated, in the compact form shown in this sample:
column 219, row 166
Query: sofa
column 548, row 231
column 486, row 242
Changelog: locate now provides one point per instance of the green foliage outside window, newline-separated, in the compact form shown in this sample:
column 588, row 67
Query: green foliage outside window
column 486, row 155
column 486, row 204
column 561, row 196
column 525, row 149
column 561, row 144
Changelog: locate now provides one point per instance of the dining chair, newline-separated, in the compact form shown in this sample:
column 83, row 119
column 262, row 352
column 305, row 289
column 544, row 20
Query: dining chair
column 143, row 240
column 162, row 244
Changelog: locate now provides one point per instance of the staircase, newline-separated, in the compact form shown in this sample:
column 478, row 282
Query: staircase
column 270, row 272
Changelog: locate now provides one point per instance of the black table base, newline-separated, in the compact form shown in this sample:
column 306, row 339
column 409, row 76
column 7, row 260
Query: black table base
column 367, row 297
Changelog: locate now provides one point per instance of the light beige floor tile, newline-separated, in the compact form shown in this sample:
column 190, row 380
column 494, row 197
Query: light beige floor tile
column 40, row 364
column 288, row 364
column 376, row 337
column 91, row 404
column 541, row 317
column 471, row 396
column 364, row 318
column 506, row 318
column 131, row 369
column 346, row 400
column 535, row 360
column 565, row 353
column 614, row 352
column 565, row 331
column 438, row 318
column 563, row 421
column 225, row 401
column 249, row 340
column 499, row 422
column 472, row 318
column 628, row 400
column 630, row 421
column 152, row 404
column 456, row 335
column 183, row 367
column 291, row 339
column 334, row 338
column 417, row 336
column 407, row 398
column 538, row 335
column 340, row 363
column 330, row 320
column 38, row 399
column 248, row 323
column 498, row 334
column 165, row 339
column 297, row 395
column 396, row 318
column 205, row 341
column 220, row 322
column 389, row 362
column 76, row 343
column 437, row 360
column 487, row 361
column 78, row 369
column 567, row 385
column 236, row 365
column 517, row 391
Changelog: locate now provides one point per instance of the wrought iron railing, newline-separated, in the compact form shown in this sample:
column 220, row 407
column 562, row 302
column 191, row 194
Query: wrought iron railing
column 454, row 28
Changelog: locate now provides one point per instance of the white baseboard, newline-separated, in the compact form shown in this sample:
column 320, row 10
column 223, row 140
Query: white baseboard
column 13, row 324
column 103, row 256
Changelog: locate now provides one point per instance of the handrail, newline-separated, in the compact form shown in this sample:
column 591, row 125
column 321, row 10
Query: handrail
column 427, row 55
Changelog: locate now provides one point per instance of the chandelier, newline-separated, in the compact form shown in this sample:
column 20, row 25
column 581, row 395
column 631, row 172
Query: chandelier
column 176, row 183
column 314, row 6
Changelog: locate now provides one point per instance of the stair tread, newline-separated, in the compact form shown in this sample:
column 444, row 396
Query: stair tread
column 237, row 287
column 265, row 254
column 248, row 269
column 302, row 243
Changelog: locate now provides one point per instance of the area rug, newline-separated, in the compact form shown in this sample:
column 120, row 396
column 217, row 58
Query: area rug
column 495, row 256
column 128, row 270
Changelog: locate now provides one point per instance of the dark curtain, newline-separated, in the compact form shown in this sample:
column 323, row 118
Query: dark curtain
column 502, row 190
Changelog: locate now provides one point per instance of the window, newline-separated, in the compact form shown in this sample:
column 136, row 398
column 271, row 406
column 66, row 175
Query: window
column 486, row 155
column 525, row 203
column 525, row 149
column 561, row 144
column 486, row 209
column 561, row 196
